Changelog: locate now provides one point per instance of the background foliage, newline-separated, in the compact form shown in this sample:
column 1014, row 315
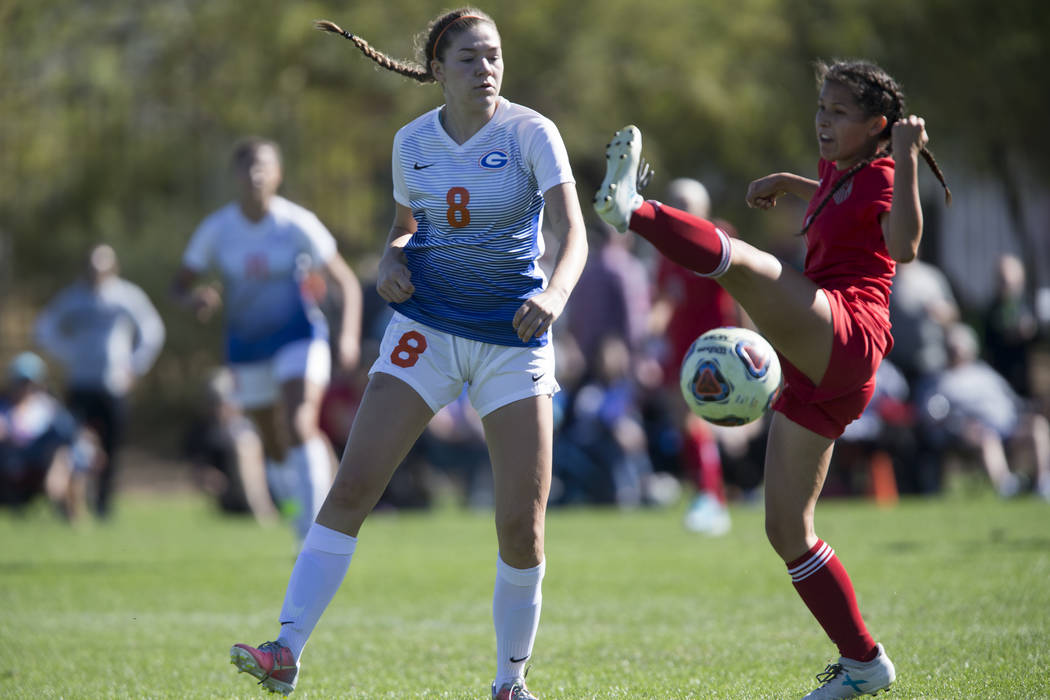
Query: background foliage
column 118, row 115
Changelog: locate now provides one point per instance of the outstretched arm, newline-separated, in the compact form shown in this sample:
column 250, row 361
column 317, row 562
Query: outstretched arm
column 764, row 192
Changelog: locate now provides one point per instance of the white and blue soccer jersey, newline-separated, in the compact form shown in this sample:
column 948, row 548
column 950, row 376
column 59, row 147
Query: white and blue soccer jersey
column 479, row 210
column 262, row 265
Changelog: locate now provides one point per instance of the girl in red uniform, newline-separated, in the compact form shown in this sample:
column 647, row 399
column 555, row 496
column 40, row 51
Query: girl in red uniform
column 830, row 325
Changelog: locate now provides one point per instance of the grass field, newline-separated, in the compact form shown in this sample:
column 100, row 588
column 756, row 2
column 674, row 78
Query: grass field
column 147, row 606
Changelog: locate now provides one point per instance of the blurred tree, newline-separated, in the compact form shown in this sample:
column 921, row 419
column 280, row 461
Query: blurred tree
column 118, row 115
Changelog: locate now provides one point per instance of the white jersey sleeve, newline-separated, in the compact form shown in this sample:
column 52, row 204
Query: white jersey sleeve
column 200, row 251
column 320, row 241
column 401, row 195
column 545, row 153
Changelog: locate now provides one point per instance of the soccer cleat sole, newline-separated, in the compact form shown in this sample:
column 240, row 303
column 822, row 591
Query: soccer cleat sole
column 246, row 664
column 622, row 155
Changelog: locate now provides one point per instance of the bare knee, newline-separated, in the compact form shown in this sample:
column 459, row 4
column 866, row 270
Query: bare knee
column 521, row 539
column 349, row 501
column 788, row 536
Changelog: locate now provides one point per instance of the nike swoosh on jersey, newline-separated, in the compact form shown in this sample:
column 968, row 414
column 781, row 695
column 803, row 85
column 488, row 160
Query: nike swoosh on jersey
column 417, row 166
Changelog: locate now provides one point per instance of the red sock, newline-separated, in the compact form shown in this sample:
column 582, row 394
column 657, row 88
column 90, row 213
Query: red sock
column 703, row 461
column 690, row 241
column 825, row 588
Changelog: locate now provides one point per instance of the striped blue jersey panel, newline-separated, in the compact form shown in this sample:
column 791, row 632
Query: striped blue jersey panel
column 479, row 210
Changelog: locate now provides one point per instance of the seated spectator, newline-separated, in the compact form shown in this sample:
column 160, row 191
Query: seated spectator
column 970, row 408
column 42, row 450
column 454, row 443
column 600, row 452
column 877, row 450
column 227, row 455
column 922, row 306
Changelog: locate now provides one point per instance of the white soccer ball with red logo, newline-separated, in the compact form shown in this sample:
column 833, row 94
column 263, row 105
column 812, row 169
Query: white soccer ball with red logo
column 730, row 376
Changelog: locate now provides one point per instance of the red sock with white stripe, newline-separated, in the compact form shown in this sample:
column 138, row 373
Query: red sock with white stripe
column 692, row 242
column 825, row 588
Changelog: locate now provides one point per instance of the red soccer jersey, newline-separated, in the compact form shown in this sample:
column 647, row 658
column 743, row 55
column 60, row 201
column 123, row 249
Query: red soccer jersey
column 845, row 247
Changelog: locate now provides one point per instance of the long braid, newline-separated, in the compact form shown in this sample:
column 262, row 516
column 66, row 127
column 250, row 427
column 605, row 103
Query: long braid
column 431, row 44
column 930, row 161
column 408, row 70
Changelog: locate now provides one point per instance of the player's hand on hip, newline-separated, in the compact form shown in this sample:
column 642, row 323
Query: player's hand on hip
column 909, row 134
column 535, row 316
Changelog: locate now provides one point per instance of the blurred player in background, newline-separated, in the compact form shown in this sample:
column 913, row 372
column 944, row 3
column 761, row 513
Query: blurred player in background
column 830, row 324
column 275, row 260
column 472, row 182
column 686, row 306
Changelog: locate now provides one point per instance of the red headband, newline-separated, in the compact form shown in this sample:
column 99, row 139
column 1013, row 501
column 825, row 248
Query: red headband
column 442, row 32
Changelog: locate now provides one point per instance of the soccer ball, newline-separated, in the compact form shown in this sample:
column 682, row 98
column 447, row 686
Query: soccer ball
column 730, row 376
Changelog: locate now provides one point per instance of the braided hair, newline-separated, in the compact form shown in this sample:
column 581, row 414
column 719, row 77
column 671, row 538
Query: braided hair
column 431, row 44
column 877, row 94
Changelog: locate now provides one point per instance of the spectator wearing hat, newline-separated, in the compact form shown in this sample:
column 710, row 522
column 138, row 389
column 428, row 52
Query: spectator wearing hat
column 41, row 448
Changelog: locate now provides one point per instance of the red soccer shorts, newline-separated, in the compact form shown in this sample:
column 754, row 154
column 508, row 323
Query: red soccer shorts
column 859, row 343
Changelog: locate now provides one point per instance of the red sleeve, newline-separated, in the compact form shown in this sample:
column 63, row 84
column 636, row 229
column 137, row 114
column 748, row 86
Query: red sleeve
column 877, row 187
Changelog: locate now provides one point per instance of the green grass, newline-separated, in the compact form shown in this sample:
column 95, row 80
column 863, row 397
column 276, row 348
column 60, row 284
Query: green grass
column 147, row 606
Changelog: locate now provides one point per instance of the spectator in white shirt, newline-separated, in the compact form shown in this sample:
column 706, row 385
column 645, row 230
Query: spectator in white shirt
column 106, row 334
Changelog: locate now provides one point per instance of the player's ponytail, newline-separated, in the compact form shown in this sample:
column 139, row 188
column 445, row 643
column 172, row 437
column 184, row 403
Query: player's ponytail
column 431, row 44
column 409, row 70
column 930, row 161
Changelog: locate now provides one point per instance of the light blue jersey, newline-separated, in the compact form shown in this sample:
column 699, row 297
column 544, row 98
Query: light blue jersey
column 262, row 265
column 479, row 210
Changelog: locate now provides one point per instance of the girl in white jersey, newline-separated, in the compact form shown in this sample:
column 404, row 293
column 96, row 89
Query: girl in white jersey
column 268, row 253
column 471, row 181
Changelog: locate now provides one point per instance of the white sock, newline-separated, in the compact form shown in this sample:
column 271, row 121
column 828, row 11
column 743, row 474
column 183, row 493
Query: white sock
column 313, row 465
column 316, row 576
column 516, row 603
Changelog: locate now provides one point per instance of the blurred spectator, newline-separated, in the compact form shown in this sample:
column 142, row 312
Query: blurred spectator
column 226, row 453
column 106, row 334
column 877, row 453
column 600, row 451
column 922, row 305
column 612, row 296
column 686, row 305
column 454, row 443
column 1010, row 327
column 41, row 448
column 970, row 408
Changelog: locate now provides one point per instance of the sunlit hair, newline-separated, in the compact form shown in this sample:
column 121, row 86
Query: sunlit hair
column 876, row 93
column 246, row 148
column 431, row 44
